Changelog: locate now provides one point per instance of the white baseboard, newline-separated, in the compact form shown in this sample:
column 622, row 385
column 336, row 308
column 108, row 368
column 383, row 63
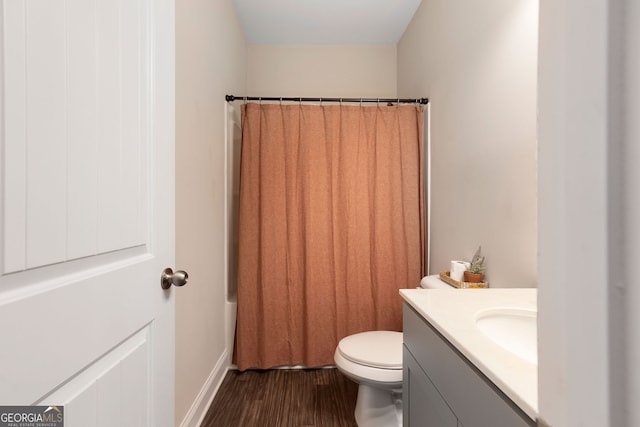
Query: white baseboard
column 198, row 410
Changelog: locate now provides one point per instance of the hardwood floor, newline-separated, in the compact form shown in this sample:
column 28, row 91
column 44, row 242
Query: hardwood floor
column 284, row 398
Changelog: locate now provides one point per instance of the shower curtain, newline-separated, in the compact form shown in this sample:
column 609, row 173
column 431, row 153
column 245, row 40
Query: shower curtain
column 332, row 225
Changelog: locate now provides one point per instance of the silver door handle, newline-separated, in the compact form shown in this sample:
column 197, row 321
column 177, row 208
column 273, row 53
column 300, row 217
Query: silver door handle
column 168, row 278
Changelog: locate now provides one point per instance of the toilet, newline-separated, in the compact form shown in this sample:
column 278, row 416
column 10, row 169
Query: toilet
column 374, row 360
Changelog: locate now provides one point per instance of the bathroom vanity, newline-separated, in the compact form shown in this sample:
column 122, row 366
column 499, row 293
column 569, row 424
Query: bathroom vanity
column 456, row 374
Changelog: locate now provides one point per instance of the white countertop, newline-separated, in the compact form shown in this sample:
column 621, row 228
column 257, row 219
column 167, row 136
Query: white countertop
column 453, row 313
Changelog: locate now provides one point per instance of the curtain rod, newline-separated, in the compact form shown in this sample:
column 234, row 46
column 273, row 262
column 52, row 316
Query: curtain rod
column 231, row 98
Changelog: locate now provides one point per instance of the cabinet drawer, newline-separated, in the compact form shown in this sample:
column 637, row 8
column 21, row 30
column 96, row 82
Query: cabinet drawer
column 475, row 400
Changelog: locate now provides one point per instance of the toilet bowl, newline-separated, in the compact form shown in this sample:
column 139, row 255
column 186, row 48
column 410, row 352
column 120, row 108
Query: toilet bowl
column 374, row 360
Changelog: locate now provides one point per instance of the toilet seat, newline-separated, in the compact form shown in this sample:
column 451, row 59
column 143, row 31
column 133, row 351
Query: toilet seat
column 373, row 357
column 377, row 349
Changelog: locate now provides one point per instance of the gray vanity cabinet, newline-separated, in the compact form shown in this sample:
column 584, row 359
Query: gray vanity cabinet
column 443, row 389
column 423, row 405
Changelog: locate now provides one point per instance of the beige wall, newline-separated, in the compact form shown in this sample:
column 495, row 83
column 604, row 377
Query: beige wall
column 319, row 70
column 210, row 61
column 476, row 62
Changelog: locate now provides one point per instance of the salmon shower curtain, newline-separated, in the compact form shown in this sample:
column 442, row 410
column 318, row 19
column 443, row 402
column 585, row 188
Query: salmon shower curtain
column 331, row 227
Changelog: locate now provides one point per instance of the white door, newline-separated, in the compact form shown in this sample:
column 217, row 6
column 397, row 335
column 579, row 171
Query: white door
column 87, row 209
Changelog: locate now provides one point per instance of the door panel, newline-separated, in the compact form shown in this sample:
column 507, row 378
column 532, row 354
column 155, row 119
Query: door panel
column 87, row 208
column 115, row 388
column 80, row 152
column 44, row 93
column 59, row 332
column 82, row 204
column 14, row 136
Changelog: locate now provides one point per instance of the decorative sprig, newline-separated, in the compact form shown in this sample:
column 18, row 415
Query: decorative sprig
column 477, row 262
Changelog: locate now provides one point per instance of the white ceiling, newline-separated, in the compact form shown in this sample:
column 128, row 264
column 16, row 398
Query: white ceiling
column 325, row 21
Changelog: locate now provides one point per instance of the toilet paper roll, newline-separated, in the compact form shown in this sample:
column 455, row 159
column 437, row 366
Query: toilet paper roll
column 458, row 268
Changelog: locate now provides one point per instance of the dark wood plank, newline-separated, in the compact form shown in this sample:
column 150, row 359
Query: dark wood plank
column 300, row 395
column 284, row 398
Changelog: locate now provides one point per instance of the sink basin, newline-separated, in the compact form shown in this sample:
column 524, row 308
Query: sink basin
column 513, row 329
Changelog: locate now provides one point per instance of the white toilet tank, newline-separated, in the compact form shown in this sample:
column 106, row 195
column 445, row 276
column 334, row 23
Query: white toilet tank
column 433, row 282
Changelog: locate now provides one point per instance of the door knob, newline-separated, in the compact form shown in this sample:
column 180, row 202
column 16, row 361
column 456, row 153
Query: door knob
column 168, row 278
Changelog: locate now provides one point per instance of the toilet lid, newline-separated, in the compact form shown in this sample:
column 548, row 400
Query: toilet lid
column 379, row 349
